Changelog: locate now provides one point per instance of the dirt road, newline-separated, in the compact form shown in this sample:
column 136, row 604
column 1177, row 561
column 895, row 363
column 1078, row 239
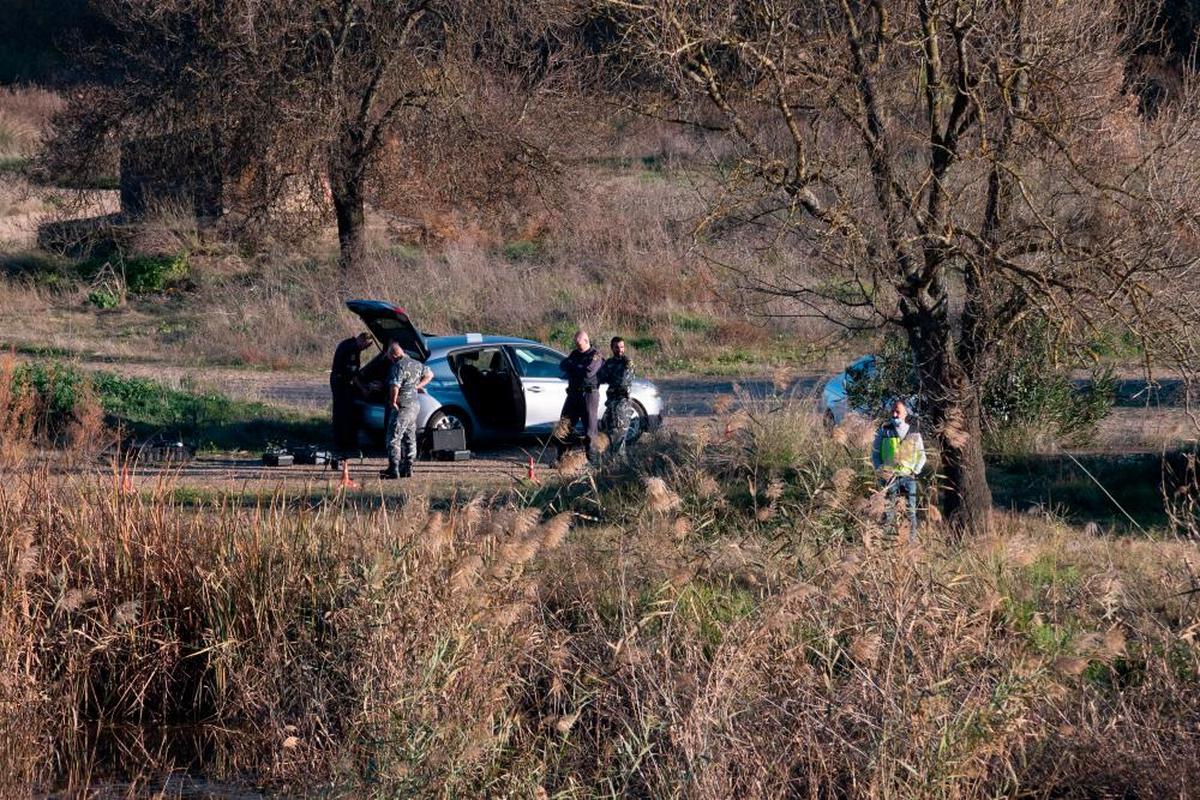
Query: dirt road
column 1133, row 425
column 689, row 401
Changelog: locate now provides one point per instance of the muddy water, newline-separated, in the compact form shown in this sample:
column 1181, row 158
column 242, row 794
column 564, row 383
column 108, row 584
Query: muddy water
column 184, row 787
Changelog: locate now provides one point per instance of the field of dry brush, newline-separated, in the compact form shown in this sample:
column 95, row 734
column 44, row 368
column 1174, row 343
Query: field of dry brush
column 719, row 618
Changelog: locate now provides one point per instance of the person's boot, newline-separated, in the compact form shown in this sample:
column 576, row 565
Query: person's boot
column 391, row 472
column 405, row 469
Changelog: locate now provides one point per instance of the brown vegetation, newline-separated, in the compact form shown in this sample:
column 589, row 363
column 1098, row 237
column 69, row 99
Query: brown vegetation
column 731, row 624
column 310, row 110
column 953, row 169
column 24, row 116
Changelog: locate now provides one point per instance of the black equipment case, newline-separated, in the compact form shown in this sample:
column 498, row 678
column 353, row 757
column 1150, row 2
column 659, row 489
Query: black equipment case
column 276, row 458
column 451, row 439
column 449, row 445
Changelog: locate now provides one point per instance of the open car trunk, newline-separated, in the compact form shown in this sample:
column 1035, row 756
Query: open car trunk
column 389, row 323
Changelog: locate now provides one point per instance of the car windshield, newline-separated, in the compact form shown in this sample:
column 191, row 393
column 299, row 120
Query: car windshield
column 537, row 362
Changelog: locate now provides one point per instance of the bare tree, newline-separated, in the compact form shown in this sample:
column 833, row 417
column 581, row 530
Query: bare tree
column 304, row 98
column 945, row 166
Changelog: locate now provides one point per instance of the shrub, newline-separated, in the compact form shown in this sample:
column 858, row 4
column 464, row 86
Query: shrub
column 1028, row 397
column 522, row 250
column 17, row 414
column 54, row 391
column 103, row 298
column 145, row 274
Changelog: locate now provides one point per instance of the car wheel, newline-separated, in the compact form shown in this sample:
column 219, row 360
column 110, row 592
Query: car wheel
column 637, row 422
column 448, row 419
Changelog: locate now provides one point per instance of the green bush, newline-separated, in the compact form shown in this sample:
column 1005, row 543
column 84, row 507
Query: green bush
column 1027, row 397
column 522, row 250
column 103, row 298
column 58, row 391
column 146, row 274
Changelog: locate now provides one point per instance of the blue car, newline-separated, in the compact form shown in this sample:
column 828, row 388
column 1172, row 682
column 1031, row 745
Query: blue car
column 492, row 387
column 835, row 397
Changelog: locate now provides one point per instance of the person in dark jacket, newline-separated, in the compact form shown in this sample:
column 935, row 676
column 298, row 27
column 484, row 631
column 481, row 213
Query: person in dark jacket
column 345, row 386
column 617, row 372
column 580, row 368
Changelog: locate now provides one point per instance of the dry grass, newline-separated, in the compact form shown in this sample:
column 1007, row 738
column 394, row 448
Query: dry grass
column 607, row 267
column 25, row 114
column 680, row 643
column 614, row 255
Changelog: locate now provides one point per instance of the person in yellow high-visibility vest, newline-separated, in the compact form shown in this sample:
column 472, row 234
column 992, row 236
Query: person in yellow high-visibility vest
column 898, row 455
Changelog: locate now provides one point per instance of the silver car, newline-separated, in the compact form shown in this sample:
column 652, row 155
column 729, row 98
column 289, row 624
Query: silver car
column 493, row 387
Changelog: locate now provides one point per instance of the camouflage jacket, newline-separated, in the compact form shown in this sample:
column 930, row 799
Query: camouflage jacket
column 617, row 372
column 405, row 375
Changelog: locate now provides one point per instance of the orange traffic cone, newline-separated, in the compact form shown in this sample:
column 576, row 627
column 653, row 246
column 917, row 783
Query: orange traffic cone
column 531, row 475
column 346, row 482
column 126, row 480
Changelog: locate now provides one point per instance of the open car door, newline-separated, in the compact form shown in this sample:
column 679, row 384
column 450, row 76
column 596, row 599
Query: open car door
column 389, row 323
column 543, row 384
column 491, row 387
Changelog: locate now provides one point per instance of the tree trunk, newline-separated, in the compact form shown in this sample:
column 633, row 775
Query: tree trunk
column 967, row 499
column 951, row 411
column 347, row 191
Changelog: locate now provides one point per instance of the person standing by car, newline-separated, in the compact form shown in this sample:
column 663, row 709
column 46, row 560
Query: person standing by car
column 580, row 368
column 617, row 372
column 898, row 455
column 346, row 387
column 407, row 378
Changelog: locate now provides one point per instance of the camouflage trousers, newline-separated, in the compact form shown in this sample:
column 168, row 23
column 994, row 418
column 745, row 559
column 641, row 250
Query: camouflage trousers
column 402, row 434
column 617, row 414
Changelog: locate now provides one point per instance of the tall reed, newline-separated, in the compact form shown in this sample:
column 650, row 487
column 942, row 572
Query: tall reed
column 669, row 640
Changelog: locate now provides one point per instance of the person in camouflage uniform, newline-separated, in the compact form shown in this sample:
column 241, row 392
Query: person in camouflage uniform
column 617, row 372
column 407, row 377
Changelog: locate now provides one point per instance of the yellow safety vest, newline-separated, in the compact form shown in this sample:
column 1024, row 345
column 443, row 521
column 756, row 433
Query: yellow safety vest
column 899, row 455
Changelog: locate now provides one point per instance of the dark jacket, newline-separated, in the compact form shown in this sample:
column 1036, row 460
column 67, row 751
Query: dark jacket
column 617, row 372
column 581, row 369
column 345, row 366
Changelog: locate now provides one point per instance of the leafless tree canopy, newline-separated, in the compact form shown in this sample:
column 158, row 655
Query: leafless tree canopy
column 947, row 166
column 318, row 102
